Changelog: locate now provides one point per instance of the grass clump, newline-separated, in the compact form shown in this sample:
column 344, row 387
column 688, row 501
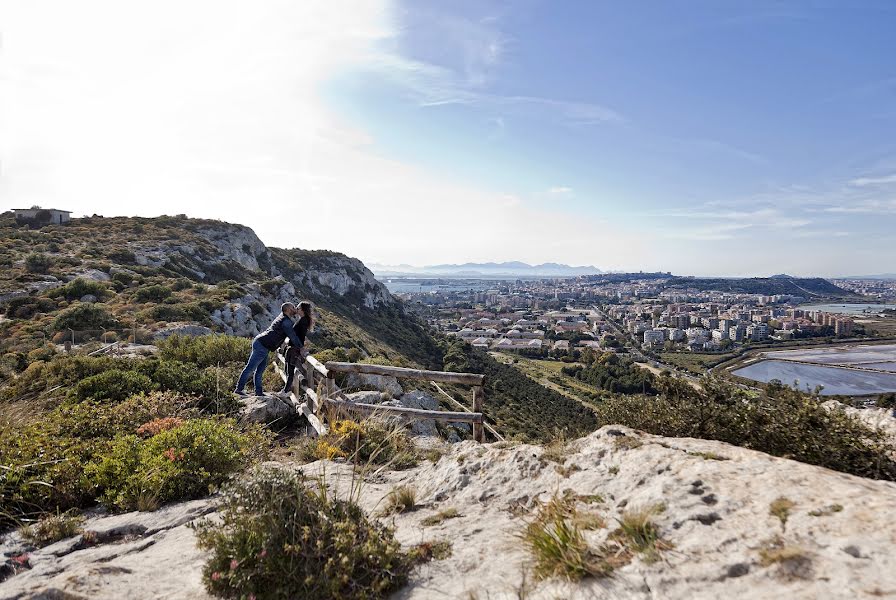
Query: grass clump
column 368, row 442
column 52, row 528
column 278, row 539
column 425, row 552
column 439, row 517
column 187, row 461
column 401, row 499
column 558, row 546
column 639, row 533
column 780, row 509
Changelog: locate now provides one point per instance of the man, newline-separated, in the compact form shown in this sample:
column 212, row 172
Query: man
column 268, row 341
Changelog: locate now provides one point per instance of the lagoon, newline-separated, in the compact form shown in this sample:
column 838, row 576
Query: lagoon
column 836, row 380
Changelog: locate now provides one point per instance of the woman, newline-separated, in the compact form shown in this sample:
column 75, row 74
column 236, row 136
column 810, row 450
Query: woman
column 296, row 354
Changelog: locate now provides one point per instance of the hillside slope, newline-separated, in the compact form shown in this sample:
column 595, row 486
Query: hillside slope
column 713, row 509
column 165, row 274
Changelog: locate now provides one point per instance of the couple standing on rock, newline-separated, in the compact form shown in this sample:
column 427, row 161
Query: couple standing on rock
column 284, row 326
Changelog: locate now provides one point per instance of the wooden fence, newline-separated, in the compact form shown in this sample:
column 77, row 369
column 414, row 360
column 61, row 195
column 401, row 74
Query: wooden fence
column 319, row 388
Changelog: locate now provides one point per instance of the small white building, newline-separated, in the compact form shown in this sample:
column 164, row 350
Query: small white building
column 46, row 216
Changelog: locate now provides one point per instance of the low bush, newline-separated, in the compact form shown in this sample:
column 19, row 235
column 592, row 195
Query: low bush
column 372, row 441
column 781, row 422
column 207, row 350
column 278, row 538
column 38, row 263
column 84, row 316
column 43, row 460
column 79, row 287
column 185, row 462
column 114, row 385
column 52, row 528
column 152, row 293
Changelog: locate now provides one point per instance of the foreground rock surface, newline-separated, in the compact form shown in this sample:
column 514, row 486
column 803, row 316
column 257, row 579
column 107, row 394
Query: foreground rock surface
column 716, row 521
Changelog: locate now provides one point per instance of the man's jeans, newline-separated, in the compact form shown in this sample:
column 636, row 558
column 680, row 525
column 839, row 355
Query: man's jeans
column 258, row 360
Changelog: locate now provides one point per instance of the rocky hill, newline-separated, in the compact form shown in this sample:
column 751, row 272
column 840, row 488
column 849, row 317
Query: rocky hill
column 723, row 522
column 154, row 277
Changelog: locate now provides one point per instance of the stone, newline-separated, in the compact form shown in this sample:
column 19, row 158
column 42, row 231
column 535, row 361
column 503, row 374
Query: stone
column 381, row 383
column 418, row 399
column 366, row 397
column 266, row 409
column 90, row 298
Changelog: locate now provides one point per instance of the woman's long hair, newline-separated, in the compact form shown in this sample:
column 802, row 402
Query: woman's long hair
column 306, row 309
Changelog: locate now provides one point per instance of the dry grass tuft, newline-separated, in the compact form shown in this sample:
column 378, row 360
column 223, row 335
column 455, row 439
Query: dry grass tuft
column 639, row 533
column 442, row 515
column 557, row 544
column 425, row 552
column 401, row 499
column 781, row 508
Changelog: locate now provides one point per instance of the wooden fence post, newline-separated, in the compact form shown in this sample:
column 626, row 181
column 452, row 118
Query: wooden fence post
column 477, row 408
column 309, row 376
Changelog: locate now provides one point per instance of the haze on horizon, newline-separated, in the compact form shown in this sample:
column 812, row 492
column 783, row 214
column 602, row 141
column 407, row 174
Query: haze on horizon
column 695, row 137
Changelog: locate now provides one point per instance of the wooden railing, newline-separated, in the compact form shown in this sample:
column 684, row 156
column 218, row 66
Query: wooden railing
column 319, row 387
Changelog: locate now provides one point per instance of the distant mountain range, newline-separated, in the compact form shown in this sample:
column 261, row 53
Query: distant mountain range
column 504, row 269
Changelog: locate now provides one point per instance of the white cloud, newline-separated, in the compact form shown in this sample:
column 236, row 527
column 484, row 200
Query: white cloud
column 560, row 190
column 213, row 109
column 866, row 181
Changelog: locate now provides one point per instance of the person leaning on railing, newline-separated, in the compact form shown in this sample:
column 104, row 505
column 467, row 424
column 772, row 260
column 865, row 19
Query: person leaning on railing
column 296, row 353
column 265, row 342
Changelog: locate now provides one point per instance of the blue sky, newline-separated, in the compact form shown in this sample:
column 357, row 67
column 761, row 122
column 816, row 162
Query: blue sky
column 710, row 138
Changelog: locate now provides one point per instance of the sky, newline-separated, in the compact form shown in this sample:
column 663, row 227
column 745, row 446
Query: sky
column 698, row 137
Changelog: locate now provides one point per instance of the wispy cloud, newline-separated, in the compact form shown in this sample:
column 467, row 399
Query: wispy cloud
column 869, row 181
column 560, row 190
column 477, row 49
column 864, row 206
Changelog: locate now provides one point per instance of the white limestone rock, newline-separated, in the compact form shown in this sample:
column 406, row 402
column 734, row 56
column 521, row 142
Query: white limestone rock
column 382, row 383
column 266, row 409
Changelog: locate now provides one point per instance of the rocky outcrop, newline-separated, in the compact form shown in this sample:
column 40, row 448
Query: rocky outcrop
column 711, row 502
column 134, row 555
column 267, row 410
column 237, row 243
column 381, row 383
column 252, row 313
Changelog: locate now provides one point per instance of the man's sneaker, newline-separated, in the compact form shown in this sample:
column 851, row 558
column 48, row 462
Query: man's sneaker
column 240, row 393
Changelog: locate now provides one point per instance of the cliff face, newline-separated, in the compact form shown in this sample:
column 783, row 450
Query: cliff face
column 713, row 507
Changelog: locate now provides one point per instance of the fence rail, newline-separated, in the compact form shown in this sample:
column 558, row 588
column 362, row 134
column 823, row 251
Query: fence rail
column 320, row 389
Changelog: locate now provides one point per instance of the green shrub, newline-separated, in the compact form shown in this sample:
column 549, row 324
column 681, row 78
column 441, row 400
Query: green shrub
column 26, row 307
column 114, row 385
column 79, row 287
column 152, row 293
column 781, row 422
column 280, row 539
column 185, row 462
column 207, row 350
column 85, row 316
column 52, row 528
column 38, row 263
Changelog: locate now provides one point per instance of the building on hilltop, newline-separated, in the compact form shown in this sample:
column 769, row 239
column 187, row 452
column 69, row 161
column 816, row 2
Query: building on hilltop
column 42, row 216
